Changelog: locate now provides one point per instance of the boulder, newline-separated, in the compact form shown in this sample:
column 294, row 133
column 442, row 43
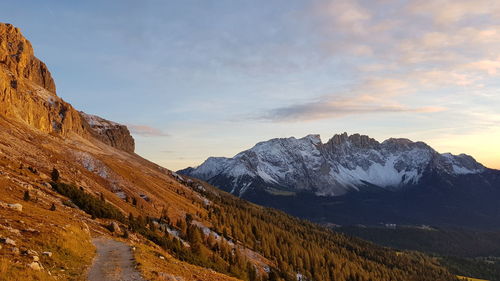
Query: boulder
column 7, row 241
column 114, row 227
column 48, row 254
column 35, row 266
column 16, row 206
column 169, row 277
column 32, row 253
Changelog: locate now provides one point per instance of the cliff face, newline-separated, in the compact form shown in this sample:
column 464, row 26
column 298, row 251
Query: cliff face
column 16, row 54
column 111, row 133
column 27, row 90
column 28, row 95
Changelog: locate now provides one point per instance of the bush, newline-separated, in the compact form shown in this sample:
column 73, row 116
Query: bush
column 26, row 196
column 54, row 175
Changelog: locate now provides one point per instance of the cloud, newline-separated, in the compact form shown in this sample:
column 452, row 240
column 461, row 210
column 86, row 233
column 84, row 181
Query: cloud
column 348, row 15
column 146, row 131
column 338, row 108
column 373, row 96
column 492, row 67
column 452, row 11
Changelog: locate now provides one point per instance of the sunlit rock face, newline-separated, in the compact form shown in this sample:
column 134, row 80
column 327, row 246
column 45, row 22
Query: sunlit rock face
column 28, row 95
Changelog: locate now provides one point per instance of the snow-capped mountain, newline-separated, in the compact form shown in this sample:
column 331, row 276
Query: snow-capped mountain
column 342, row 164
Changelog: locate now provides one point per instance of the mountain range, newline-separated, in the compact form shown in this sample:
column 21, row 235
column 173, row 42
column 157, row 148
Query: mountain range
column 354, row 179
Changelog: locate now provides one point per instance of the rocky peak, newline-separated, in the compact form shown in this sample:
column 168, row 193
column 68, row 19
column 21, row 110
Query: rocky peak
column 17, row 55
column 28, row 95
column 356, row 140
column 339, row 139
column 314, row 138
column 402, row 144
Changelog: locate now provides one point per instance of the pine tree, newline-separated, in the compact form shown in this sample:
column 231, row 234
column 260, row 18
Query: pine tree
column 54, row 175
column 26, row 196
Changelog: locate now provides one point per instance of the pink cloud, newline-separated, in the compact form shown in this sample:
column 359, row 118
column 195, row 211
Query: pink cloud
column 147, row 131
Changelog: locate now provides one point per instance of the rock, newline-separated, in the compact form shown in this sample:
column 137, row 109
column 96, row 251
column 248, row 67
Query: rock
column 111, row 133
column 15, row 231
column 16, row 206
column 36, row 258
column 48, row 254
column 7, row 241
column 15, row 251
column 31, row 230
column 28, row 94
column 114, row 227
column 35, row 266
column 85, row 227
column 32, row 253
column 169, row 277
column 19, row 58
column 33, row 99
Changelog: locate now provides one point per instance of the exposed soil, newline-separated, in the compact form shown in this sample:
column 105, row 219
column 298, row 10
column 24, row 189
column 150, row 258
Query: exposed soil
column 114, row 262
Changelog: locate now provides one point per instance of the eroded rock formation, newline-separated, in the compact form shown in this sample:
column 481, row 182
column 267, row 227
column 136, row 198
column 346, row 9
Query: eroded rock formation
column 28, row 94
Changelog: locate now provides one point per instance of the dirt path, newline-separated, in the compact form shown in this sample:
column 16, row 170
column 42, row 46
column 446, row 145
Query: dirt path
column 113, row 262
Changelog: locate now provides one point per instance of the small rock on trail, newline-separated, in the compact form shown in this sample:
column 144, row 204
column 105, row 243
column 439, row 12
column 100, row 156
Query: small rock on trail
column 113, row 262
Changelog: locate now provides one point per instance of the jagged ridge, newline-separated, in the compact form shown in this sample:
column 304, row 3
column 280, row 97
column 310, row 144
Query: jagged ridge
column 344, row 163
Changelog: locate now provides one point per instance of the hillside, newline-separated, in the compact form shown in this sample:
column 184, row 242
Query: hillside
column 67, row 179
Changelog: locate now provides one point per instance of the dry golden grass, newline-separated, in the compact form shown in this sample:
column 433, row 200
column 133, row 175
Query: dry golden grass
column 16, row 272
column 36, row 228
column 71, row 250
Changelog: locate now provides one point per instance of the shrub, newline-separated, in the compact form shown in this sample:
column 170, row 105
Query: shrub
column 54, row 175
column 88, row 203
column 26, row 196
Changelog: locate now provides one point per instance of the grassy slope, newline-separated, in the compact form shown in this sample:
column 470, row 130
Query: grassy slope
column 63, row 231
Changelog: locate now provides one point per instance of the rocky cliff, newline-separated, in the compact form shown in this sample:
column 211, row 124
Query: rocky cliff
column 28, row 95
column 114, row 134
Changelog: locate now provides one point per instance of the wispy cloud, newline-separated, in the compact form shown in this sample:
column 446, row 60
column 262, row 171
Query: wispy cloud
column 335, row 108
column 452, row 11
column 146, row 131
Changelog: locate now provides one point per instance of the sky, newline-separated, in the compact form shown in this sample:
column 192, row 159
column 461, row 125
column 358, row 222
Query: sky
column 200, row 78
